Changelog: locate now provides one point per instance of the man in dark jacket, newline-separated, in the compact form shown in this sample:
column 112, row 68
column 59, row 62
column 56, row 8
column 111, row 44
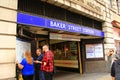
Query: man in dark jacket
column 115, row 70
column 39, row 73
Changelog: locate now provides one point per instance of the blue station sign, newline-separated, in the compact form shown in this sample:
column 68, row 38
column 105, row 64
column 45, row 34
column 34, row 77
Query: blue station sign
column 56, row 24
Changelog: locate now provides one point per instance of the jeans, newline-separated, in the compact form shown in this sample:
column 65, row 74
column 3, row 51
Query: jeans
column 42, row 77
column 48, row 75
column 27, row 77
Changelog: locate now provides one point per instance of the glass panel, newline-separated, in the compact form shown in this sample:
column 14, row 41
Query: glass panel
column 64, row 50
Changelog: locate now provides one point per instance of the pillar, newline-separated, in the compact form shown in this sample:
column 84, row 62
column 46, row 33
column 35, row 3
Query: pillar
column 8, row 13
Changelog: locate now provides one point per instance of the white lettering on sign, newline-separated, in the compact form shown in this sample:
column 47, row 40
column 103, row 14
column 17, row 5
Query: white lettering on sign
column 74, row 28
column 88, row 31
column 57, row 24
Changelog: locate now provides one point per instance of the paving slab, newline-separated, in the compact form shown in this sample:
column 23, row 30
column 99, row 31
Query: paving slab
column 85, row 76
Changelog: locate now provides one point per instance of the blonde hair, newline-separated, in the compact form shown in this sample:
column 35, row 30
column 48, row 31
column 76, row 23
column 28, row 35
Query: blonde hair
column 45, row 47
column 28, row 57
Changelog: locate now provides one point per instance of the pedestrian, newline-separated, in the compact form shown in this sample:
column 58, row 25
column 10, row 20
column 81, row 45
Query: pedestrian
column 115, row 70
column 27, row 66
column 47, row 63
column 112, row 58
column 112, row 55
column 40, row 73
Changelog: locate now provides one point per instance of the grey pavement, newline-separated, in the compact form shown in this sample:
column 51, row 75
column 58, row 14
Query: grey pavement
column 85, row 76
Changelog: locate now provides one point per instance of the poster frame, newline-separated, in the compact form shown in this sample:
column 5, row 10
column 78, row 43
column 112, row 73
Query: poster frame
column 95, row 58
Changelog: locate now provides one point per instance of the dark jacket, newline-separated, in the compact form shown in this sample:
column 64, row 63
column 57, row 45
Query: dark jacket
column 115, row 69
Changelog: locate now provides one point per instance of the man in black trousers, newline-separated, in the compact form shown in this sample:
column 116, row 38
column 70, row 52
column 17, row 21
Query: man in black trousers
column 39, row 75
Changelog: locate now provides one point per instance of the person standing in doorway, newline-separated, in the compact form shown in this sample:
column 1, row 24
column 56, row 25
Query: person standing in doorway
column 47, row 63
column 27, row 66
column 39, row 73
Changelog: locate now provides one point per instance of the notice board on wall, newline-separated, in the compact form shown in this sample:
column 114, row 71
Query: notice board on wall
column 21, row 47
column 94, row 51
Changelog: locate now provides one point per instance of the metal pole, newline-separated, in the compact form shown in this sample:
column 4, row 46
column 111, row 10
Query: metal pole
column 80, row 61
